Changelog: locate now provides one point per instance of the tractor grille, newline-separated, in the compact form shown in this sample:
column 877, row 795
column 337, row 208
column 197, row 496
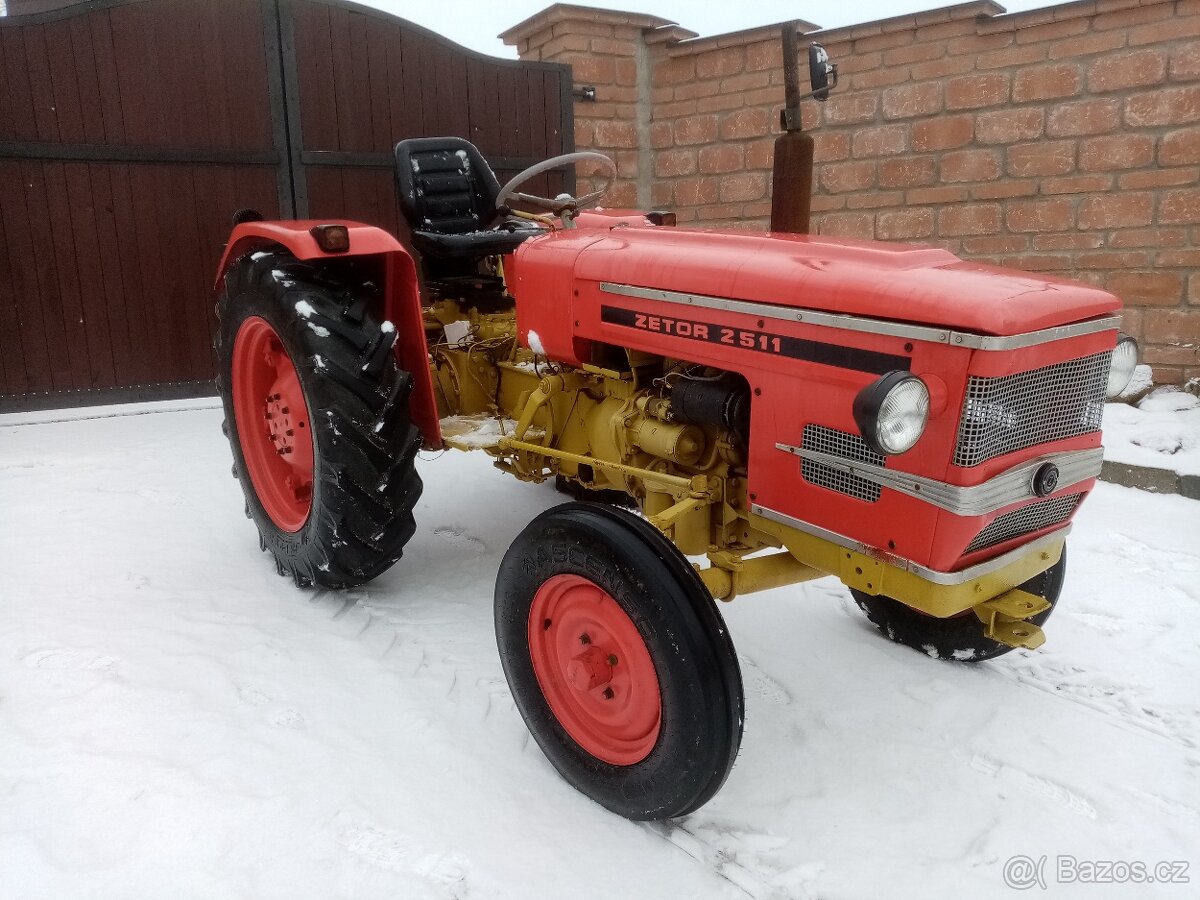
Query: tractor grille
column 1013, row 412
column 843, row 444
column 1025, row 520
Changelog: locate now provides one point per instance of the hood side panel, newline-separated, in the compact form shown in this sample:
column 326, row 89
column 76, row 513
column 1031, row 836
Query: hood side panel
column 922, row 285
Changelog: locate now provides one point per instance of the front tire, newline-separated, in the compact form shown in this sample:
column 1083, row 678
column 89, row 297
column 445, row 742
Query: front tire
column 316, row 412
column 959, row 638
column 619, row 661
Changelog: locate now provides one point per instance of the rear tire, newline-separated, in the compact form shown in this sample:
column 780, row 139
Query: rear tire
column 340, row 515
column 959, row 638
column 619, row 661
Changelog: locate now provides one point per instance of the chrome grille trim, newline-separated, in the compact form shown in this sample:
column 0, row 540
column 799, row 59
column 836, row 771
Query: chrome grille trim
column 1025, row 520
column 829, row 443
column 870, row 326
column 1009, row 487
column 1012, row 412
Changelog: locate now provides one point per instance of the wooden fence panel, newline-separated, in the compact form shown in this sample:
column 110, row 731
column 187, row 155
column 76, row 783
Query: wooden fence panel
column 131, row 130
column 130, row 133
column 360, row 80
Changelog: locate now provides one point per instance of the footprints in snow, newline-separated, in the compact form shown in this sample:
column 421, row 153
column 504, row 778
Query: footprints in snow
column 1035, row 785
column 1119, row 700
column 69, row 659
column 268, row 695
column 287, row 718
column 755, row 680
column 747, row 859
column 1143, row 557
column 460, row 538
column 445, row 872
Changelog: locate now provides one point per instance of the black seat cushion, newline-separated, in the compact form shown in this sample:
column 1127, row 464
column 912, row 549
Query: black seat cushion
column 448, row 196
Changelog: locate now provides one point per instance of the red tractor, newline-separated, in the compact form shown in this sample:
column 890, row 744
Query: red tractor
column 785, row 406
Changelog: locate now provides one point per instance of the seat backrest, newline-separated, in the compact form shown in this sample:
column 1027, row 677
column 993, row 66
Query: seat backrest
column 445, row 185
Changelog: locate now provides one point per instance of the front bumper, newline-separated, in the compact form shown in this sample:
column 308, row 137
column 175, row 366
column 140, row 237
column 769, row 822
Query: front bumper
column 875, row 572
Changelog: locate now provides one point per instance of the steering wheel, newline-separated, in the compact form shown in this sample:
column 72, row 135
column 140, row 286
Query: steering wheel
column 562, row 202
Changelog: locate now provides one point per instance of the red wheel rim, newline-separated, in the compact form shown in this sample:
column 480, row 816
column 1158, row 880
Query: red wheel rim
column 273, row 424
column 594, row 670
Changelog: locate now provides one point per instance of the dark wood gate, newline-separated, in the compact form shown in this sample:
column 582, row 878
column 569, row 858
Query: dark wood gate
column 131, row 130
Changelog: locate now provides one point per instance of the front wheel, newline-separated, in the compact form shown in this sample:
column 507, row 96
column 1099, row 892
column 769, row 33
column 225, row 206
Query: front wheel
column 619, row 661
column 959, row 638
column 316, row 412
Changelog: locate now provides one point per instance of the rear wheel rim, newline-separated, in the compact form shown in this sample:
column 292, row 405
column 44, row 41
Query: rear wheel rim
column 595, row 670
column 273, row 424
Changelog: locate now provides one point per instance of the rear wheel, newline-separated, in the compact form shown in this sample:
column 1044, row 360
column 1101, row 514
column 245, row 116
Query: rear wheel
column 959, row 638
column 316, row 411
column 619, row 661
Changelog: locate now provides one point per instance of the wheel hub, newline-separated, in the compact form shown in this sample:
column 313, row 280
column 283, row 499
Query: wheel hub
column 590, row 669
column 273, row 424
column 284, row 410
column 595, row 670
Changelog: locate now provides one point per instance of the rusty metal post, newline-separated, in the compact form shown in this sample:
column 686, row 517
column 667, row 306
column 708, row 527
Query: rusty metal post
column 792, row 179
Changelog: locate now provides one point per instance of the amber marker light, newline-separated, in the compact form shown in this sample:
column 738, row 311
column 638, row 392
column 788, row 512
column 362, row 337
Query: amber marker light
column 332, row 238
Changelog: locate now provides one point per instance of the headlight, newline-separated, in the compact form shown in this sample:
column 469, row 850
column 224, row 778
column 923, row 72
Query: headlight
column 892, row 412
column 1124, row 361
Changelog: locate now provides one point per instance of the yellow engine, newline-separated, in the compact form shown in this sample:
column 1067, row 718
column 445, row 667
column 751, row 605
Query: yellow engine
column 668, row 435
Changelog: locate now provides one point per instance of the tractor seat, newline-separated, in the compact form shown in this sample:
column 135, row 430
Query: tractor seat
column 448, row 195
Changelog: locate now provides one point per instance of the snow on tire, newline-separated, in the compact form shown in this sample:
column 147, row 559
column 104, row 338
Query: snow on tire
column 316, row 412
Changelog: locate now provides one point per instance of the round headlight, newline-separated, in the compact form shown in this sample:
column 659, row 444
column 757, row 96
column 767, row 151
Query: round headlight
column 892, row 412
column 1124, row 361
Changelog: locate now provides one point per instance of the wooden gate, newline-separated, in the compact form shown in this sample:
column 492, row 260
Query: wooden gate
column 131, row 130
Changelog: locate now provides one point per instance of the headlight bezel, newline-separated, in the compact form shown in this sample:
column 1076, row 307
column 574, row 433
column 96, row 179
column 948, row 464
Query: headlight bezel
column 869, row 405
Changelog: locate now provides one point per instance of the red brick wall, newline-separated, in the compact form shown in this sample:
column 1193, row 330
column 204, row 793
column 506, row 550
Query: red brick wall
column 1063, row 140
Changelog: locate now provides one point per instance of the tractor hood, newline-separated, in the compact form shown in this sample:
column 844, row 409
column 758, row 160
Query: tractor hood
column 921, row 285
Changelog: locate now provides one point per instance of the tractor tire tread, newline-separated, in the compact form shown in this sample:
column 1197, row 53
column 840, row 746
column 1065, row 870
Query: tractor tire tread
column 366, row 483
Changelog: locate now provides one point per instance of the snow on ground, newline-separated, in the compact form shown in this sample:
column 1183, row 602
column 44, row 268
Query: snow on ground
column 178, row 721
column 1162, row 430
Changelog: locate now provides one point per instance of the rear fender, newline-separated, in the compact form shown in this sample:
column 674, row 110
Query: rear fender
column 400, row 291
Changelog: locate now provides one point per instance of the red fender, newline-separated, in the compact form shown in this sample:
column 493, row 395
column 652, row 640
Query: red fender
column 402, row 298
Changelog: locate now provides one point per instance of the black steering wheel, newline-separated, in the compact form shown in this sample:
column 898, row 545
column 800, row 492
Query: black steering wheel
column 562, row 202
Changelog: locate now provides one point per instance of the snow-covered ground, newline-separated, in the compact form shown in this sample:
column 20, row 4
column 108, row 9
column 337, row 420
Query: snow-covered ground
column 1161, row 430
column 177, row 721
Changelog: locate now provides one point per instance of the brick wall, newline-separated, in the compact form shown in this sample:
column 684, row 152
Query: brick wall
column 1064, row 140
